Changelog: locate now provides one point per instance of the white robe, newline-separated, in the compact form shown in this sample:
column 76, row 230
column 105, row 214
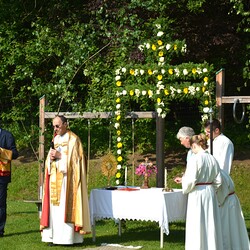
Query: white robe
column 60, row 232
column 203, row 225
column 223, row 151
column 235, row 236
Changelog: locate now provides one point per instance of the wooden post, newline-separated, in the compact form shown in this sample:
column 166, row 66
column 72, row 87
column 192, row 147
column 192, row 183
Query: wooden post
column 220, row 88
column 160, row 134
column 41, row 145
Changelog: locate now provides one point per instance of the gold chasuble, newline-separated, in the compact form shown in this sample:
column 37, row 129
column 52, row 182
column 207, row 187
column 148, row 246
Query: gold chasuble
column 73, row 165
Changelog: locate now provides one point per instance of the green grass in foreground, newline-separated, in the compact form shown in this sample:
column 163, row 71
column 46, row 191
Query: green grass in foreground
column 22, row 228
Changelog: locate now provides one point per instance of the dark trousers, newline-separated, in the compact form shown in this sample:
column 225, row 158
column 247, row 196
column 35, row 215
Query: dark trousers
column 3, row 205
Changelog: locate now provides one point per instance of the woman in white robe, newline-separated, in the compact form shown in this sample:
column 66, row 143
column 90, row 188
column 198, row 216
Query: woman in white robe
column 235, row 236
column 200, row 181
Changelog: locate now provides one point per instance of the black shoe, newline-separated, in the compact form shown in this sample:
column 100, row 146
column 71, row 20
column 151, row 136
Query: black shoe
column 51, row 244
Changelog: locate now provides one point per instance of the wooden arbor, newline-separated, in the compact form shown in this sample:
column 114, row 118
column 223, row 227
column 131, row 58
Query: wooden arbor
column 221, row 99
column 160, row 124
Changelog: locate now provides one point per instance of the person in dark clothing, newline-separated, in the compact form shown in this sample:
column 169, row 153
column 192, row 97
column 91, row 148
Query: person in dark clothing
column 8, row 151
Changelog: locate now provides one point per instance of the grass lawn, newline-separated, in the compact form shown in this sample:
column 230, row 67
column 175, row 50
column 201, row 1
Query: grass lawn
column 22, row 228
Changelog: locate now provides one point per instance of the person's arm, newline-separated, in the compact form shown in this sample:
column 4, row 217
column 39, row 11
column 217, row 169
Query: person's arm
column 11, row 145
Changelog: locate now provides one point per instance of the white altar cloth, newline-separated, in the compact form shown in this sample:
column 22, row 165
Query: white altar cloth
column 142, row 204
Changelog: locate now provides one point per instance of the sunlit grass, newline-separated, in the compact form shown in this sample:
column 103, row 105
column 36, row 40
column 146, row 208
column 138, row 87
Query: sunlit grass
column 22, row 228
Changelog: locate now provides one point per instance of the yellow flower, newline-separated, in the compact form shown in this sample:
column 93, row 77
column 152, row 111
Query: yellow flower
column 159, row 77
column 159, row 42
column 185, row 90
column 153, row 47
column 118, row 132
column 131, row 92
column 118, row 175
column 150, row 72
column 118, row 100
column 119, row 145
column 206, row 79
column 150, row 93
column 118, row 83
column 171, row 71
column 206, row 102
column 132, row 72
column 158, row 100
column 175, row 47
column 118, row 117
column 193, row 70
column 203, row 89
column 166, row 92
column 160, row 53
column 119, row 158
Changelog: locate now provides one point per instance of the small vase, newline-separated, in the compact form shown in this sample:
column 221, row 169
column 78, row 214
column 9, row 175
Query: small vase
column 145, row 183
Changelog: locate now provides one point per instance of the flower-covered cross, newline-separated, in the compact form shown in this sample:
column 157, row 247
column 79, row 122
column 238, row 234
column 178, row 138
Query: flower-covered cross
column 159, row 81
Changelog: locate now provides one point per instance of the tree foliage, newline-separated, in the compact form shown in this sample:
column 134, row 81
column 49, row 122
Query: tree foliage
column 69, row 50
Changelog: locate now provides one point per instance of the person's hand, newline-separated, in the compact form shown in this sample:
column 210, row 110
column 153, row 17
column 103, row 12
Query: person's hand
column 178, row 180
column 54, row 154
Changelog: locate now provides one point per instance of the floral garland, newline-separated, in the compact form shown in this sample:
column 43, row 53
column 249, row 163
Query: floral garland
column 183, row 81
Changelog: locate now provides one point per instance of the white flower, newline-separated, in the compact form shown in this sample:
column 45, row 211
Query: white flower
column 118, row 106
column 137, row 92
column 204, row 70
column 161, row 104
column 161, row 59
column 136, row 72
column 198, row 70
column 118, row 93
column 163, row 71
column 163, row 115
column 191, row 90
column 117, row 125
column 178, row 91
column 141, row 47
column 124, row 70
column 206, row 109
column 119, row 138
column 161, row 48
column 119, row 166
column 177, row 71
column 158, row 26
column 144, row 92
column 206, row 93
column 184, row 48
column 117, row 182
column 155, row 71
column 142, row 71
column 117, row 78
column 159, row 110
column 198, row 89
column 124, row 92
column 119, row 151
column 168, row 46
column 117, row 71
column 160, row 33
column 185, row 72
column 148, row 45
column 158, row 92
column 205, row 83
column 118, row 112
column 204, row 117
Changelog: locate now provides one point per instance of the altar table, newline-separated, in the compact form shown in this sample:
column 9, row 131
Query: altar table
column 151, row 204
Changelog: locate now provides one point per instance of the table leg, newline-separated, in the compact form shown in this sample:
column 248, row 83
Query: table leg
column 119, row 228
column 161, row 237
column 93, row 231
